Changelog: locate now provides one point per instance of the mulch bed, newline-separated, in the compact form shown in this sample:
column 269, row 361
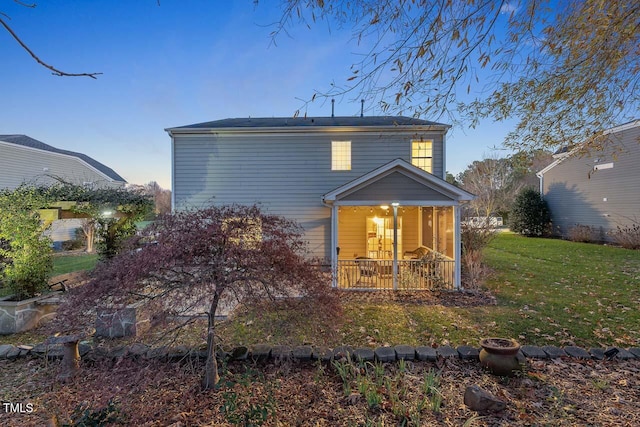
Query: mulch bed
column 558, row 392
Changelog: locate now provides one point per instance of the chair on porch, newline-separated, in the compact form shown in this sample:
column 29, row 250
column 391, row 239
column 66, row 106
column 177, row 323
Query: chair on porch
column 367, row 270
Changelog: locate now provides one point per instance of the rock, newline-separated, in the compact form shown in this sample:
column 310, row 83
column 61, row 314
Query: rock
column 14, row 353
column 323, row 354
column 534, row 352
column 554, row 352
column 480, row 400
column 426, row 353
column 447, row 352
column 577, row 352
column 468, row 352
column 178, row 353
column 405, row 352
column 4, row 349
column 635, row 351
column 281, row 352
column 385, row 354
column 261, row 352
column 159, row 353
column 363, row 354
column 239, row 353
column 84, row 349
column 624, row 354
column 138, row 349
column 342, row 352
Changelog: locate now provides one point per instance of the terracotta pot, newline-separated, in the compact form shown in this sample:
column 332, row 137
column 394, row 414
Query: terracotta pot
column 500, row 356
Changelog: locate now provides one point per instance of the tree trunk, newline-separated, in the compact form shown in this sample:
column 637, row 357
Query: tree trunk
column 89, row 229
column 211, row 376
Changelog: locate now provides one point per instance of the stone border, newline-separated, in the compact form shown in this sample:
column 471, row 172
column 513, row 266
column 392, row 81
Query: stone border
column 263, row 352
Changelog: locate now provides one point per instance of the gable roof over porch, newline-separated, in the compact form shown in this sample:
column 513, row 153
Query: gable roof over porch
column 397, row 181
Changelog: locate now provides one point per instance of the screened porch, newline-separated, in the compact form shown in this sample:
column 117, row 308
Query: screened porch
column 396, row 247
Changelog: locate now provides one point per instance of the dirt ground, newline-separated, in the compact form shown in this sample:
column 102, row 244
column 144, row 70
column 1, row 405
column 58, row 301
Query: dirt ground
column 125, row 392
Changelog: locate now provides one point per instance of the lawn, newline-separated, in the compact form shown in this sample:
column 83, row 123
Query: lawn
column 559, row 292
column 547, row 292
column 69, row 263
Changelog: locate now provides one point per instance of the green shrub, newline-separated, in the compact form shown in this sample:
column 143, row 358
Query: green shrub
column 25, row 255
column 530, row 214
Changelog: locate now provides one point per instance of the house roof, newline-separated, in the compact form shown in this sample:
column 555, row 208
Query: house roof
column 440, row 190
column 26, row 141
column 561, row 154
column 309, row 122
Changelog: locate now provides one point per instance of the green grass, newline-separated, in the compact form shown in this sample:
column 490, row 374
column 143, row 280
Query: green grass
column 559, row 292
column 63, row 264
column 549, row 292
column 69, row 263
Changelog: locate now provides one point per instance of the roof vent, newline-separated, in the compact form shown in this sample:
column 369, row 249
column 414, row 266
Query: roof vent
column 362, row 108
column 333, row 101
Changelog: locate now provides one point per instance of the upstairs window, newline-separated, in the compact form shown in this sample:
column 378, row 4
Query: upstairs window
column 422, row 154
column 340, row 155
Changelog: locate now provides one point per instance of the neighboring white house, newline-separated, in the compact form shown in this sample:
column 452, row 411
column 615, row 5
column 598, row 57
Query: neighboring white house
column 369, row 192
column 27, row 160
column 24, row 160
column 601, row 189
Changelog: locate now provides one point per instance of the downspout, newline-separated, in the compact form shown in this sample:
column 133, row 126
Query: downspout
column 173, row 174
column 541, row 179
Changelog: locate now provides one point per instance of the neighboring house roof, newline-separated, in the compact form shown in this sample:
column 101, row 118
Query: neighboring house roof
column 561, row 154
column 405, row 168
column 29, row 142
column 308, row 122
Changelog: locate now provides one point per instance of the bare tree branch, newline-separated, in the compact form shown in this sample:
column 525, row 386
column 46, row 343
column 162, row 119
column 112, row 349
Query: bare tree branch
column 55, row 71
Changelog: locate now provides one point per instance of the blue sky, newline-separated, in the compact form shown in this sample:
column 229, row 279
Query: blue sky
column 179, row 63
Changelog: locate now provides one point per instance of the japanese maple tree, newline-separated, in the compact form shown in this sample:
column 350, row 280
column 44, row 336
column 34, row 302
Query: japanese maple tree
column 193, row 261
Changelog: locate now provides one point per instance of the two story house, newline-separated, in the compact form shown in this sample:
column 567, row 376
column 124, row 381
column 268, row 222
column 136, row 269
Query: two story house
column 369, row 192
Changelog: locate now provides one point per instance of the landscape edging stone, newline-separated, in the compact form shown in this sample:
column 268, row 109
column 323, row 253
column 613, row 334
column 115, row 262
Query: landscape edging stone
column 264, row 352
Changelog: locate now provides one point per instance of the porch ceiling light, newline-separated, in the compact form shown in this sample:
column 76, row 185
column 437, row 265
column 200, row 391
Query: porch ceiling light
column 385, row 207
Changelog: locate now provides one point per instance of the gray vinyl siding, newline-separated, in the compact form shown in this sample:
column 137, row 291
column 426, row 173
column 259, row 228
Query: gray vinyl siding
column 287, row 173
column 397, row 186
column 603, row 199
column 20, row 165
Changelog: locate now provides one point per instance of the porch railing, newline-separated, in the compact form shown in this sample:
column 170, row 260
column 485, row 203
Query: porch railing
column 412, row 274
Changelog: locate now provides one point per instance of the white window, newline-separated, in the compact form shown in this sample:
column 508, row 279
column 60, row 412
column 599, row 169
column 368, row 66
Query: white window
column 243, row 231
column 422, row 154
column 340, row 155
